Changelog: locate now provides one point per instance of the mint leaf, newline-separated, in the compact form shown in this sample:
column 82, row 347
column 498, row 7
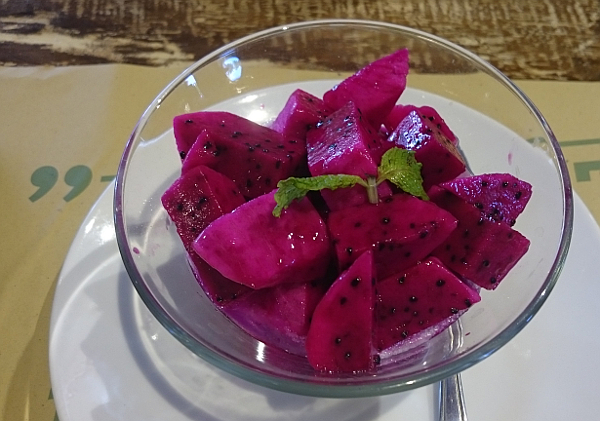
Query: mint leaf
column 294, row 188
column 401, row 168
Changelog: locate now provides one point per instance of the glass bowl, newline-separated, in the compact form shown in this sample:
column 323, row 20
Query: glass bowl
column 500, row 130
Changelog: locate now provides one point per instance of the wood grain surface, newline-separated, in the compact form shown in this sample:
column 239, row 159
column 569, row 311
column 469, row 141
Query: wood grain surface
column 535, row 39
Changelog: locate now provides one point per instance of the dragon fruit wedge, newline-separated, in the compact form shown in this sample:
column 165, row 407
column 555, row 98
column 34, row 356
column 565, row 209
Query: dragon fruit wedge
column 479, row 250
column 400, row 111
column 424, row 297
column 280, row 315
column 339, row 337
column 500, row 197
column 193, row 201
column 301, row 112
column 400, row 231
column 253, row 156
column 345, row 144
column 254, row 248
column 439, row 155
column 374, row 89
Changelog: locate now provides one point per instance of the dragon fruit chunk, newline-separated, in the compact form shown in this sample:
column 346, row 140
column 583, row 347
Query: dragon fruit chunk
column 374, row 89
column 424, row 297
column 256, row 158
column 400, row 111
column 301, row 112
column 499, row 197
column 254, row 248
column 440, row 157
column 339, row 338
column 401, row 230
column 193, row 201
column 279, row 316
column 345, row 144
column 479, row 250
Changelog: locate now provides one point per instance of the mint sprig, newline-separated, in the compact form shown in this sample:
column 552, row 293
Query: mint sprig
column 399, row 166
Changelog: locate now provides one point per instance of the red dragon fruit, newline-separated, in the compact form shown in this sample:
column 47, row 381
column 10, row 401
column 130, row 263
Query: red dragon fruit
column 401, row 230
column 425, row 298
column 500, row 197
column 253, row 156
column 252, row 247
column 374, row 89
column 301, row 112
column 339, row 337
column 345, row 144
column 479, row 250
column 279, row 316
column 193, row 201
column 440, row 157
column 400, row 111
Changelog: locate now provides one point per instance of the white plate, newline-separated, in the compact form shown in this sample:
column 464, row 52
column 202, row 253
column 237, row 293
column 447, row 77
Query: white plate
column 111, row 360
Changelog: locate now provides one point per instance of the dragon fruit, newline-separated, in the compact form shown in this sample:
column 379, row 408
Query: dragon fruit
column 252, row 247
column 280, row 315
column 253, row 156
column 425, row 298
column 479, row 250
column 339, row 337
column 374, row 89
column 401, row 230
column 439, row 156
column 499, row 197
column 345, row 144
column 193, row 201
column 400, row 111
column 301, row 112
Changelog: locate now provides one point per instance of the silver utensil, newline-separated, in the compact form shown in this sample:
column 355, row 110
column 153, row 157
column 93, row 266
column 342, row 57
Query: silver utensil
column 451, row 399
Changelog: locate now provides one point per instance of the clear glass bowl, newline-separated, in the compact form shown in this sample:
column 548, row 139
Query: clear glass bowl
column 500, row 130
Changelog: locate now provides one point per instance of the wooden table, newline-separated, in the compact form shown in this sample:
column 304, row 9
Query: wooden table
column 535, row 39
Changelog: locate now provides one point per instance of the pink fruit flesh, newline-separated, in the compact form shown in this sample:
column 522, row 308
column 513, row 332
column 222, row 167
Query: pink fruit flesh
column 417, row 299
column 254, row 248
column 339, row 337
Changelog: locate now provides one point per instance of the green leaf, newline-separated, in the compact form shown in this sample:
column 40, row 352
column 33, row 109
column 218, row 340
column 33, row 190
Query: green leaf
column 294, row 188
column 401, row 168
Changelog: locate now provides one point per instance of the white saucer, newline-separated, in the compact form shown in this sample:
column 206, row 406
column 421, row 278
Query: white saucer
column 111, row 360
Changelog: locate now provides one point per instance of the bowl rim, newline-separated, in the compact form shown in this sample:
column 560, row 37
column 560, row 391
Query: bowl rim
column 330, row 389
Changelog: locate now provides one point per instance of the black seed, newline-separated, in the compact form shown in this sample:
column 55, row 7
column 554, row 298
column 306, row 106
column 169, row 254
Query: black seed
column 468, row 302
column 248, row 183
column 393, row 310
column 347, row 355
column 413, row 299
column 217, row 152
column 485, row 263
column 453, row 310
column 401, row 279
column 512, row 222
column 447, row 246
column 265, row 150
column 404, row 334
column 484, row 184
column 358, row 224
column 453, row 258
column 219, row 299
column 415, row 313
column 207, row 145
column 505, row 184
column 412, row 225
column 480, row 222
column 478, row 205
column 440, row 282
column 376, row 359
column 268, row 181
column 466, row 233
column 182, row 154
column 385, row 221
column 423, row 234
column 518, row 195
column 349, row 250
column 381, row 246
column 355, row 282
column 236, row 134
column 180, row 207
column 202, row 201
column 293, row 142
column 463, row 260
column 388, row 199
column 250, row 148
column 277, row 164
column 407, row 254
column 338, row 341
column 493, row 280
column 189, row 121
column 510, row 235
column 343, row 300
column 280, row 146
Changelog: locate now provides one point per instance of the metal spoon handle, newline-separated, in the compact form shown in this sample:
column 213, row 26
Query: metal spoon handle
column 452, row 401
